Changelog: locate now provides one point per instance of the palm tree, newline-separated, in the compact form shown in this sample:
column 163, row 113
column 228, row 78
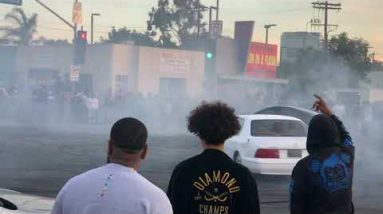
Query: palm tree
column 23, row 28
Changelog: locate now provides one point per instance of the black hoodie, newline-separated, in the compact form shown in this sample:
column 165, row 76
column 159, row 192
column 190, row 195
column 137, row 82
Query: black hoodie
column 321, row 182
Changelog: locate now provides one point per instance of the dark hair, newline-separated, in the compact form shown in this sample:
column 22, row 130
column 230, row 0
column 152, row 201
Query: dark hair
column 129, row 134
column 214, row 122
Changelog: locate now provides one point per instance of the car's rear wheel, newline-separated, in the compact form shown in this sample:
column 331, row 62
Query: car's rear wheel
column 237, row 157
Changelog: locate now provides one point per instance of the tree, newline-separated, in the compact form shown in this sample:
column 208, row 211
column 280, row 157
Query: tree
column 352, row 51
column 177, row 23
column 345, row 64
column 123, row 35
column 23, row 27
column 314, row 71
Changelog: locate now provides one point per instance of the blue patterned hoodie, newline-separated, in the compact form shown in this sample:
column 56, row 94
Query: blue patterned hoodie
column 322, row 182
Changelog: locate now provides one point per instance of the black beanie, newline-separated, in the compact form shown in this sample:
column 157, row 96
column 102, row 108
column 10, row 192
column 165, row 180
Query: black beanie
column 322, row 133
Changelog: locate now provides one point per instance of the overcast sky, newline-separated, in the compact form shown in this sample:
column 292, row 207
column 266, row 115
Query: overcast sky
column 359, row 18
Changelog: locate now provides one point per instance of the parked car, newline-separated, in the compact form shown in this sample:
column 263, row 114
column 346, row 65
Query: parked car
column 12, row 202
column 268, row 144
column 303, row 114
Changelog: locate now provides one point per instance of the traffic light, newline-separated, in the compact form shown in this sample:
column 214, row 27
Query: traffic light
column 209, row 55
column 82, row 35
column 80, row 48
column 210, row 49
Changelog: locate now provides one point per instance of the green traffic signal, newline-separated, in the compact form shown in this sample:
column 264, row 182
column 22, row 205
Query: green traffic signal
column 209, row 55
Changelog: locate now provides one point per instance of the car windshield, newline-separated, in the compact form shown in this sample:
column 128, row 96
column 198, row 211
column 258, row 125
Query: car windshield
column 278, row 128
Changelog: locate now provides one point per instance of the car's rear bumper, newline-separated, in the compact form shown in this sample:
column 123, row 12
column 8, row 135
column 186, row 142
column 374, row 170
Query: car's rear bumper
column 270, row 166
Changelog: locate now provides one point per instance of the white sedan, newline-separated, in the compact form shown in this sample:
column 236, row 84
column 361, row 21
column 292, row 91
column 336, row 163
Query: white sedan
column 12, row 202
column 268, row 144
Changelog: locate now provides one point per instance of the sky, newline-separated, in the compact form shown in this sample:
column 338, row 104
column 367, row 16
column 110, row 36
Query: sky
column 358, row 18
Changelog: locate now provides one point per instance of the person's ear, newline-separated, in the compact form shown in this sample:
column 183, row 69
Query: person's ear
column 144, row 152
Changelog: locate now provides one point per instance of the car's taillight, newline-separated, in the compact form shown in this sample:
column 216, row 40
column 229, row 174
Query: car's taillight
column 267, row 153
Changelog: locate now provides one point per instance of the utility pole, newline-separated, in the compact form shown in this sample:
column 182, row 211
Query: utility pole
column 200, row 9
column 92, row 26
column 75, row 27
column 210, row 18
column 217, row 11
column 326, row 6
column 199, row 21
column 267, row 27
column 211, row 8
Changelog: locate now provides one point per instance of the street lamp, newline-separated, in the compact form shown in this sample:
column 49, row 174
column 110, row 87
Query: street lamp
column 91, row 26
column 267, row 27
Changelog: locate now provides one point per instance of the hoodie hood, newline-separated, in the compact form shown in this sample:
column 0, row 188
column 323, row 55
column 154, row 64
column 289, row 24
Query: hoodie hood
column 322, row 133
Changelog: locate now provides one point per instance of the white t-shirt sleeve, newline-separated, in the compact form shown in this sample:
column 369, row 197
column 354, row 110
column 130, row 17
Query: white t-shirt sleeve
column 162, row 205
column 58, row 206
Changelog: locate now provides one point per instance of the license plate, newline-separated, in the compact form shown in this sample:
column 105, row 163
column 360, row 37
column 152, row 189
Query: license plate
column 294, row 153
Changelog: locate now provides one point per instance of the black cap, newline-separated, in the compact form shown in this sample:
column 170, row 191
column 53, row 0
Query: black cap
column 129, row 134
column 322, row 133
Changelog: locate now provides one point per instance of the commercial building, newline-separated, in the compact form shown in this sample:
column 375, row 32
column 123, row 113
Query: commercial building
column 292, row 43
column 110, row 69
column 241, row 72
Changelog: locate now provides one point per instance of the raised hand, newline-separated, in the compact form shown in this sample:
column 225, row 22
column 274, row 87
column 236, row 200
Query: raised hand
column 321, row 106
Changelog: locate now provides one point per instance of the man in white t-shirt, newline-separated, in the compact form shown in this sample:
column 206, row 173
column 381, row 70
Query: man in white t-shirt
column 116, row 188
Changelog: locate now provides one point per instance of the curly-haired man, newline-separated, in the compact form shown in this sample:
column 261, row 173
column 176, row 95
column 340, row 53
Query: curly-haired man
column 211, row 182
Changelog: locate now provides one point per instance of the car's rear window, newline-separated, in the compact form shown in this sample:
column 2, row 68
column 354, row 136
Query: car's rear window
column 278, row 128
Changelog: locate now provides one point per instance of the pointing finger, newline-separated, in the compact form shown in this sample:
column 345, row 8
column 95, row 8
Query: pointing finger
column 318, row 97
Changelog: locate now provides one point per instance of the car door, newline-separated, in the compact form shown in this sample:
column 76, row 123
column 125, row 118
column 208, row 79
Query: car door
column 243, row 139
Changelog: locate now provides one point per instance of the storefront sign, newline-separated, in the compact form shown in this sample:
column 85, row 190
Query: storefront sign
column 175, row 62
column 262, row 60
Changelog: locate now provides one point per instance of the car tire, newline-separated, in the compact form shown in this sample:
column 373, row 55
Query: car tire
column 237, row 157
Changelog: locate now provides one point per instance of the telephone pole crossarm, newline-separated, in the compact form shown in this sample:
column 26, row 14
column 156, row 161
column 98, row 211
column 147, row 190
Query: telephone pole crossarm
column 326, row 6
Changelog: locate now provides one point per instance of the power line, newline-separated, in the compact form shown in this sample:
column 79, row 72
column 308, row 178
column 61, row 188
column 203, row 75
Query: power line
column 279, row 11
column 105, row 27
column 66, row 30
column 326, row 6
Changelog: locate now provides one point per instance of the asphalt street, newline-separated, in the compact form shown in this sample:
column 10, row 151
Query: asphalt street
column 39, row 159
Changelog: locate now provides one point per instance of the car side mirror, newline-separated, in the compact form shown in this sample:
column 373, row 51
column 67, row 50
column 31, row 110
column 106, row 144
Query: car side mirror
column 7, row 204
